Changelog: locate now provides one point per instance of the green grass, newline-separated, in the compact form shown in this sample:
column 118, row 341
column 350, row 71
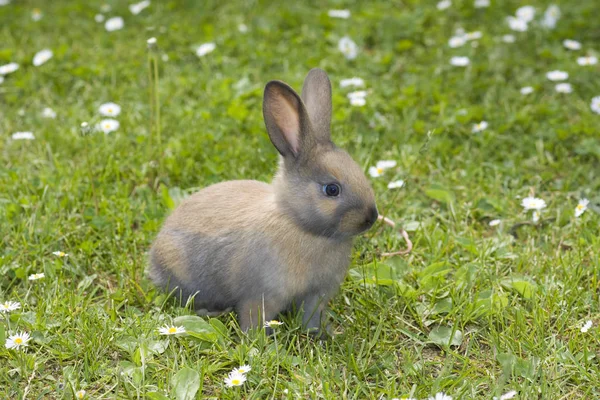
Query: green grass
column 519, row 302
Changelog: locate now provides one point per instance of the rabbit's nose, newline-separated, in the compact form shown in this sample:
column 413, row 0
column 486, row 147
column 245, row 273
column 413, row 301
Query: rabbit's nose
column 372, row 215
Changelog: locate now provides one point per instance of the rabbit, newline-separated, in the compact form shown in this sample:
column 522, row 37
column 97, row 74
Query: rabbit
column 261, row 249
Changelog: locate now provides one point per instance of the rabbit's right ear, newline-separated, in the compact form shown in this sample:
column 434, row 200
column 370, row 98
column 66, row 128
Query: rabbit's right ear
column 286, row 119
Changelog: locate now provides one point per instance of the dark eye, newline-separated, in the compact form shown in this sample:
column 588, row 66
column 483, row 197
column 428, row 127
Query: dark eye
column 332, row 189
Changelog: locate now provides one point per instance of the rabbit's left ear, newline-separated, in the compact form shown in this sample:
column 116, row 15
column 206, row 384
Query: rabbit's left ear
column 316, row 94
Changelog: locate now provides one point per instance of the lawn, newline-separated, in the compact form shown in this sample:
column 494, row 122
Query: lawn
column 476, row 310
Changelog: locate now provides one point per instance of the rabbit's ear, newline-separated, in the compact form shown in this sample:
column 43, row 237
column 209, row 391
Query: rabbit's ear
column 286, row 119
column 316, row 94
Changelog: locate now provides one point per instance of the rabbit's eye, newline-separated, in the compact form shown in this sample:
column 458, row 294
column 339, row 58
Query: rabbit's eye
column 332, row 189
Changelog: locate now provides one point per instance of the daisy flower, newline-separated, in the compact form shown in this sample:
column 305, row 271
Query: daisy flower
column 586, row 327
column 8, row 68
column 380, row 167
column 595, row 104
column 4, row 2
column 457, row 41
column 60, row 254
column 41, row 57
column 441, row 396
column 9, row 306
column 109, row 109
column 495, row 222
column 481, row 3
column 47, row 112
column 535, row 217
column 272, row 323
column 22, row 136
column 508, row 38
column 358, row 82
column 244, row 369
column 563, row 88
column 243, row 28
column 588, row 60
column 444, row 4
column 460, row 61
column 105, row 8
column 171, row 330
column 114, row 24
column 137, row 8
column 235, row 379
column 344, row 14
column 525, row 13
column 205, row 48
column 551, row 17
column 474, row 35
column 36, row 14
column 480, row 126
column 581, row 207
column 348, row 48
column 516, row 24
column 526, row 90
column 99, row 18
column 358, row 98
column 572, row 44
column 35, row 277
column 557, row 75
column 507, row 396
column 533, row 203
column 108, row 125
column 80, row 394
column 396, row 184
column 17, row 341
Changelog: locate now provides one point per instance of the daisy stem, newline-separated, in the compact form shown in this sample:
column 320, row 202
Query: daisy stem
column 91, row 176
column 151, row 97
column 277, row 357
column 156, row 100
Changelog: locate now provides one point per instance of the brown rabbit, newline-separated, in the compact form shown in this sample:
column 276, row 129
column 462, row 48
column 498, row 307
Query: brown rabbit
column 264, row 248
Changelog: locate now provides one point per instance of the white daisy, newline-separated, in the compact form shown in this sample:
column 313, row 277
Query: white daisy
column 507, row 396
column 137, row 8
column 457, row 41
column 36, row 14
column 586, row 327
column 516, row 24
column 533, row 203
column 396, row 184
column 105, row 8
column 244, row 369
column 205, row 48
column 526, row 90
column 22, row 136
column 108, row 125
column 495, row 222
column 42, row 56
column 99, row 18
column 4, row 2
column 572, row 44
column 358, row 82
column 509, row 38
column 595, row 104
column 348, row 48
column 480, row 126
column 551, row 17
column 481, row 3
column 8, row 68
column 563, row 88
column 588, row 60
column 344, row 14
column 357, row 98
column 35, row 277
column 475, row 35
column 272, row 323
column 242, row 28
column 441, row 396
column 151, row 43
column 60, row 254
column 535, row 217
column 17, row 341
column 171, row 330
column 525, row 13
column 581, row 207
column 235, row 379
column 80, row 394
column 9, row 306
column 109, row 109
column 444, row 4
column 380, row 167
column 47, row 112
column 114, row 24
column 460, row 61
column 557, row 75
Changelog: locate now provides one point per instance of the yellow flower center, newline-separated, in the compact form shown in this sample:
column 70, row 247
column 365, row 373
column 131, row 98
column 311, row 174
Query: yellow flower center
column 379, row 170
column 172, row 330
column 580, row 206
column 18, row 340
column 110, row 110
column 235, row 382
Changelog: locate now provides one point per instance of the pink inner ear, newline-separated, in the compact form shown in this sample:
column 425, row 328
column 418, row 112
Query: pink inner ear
column 286, row 117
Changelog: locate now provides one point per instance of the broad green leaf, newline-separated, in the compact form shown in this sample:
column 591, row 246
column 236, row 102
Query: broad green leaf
column 186, row 384
column 156, row 396
column 440, row 194
column 443, row 336
column 443, row 306
column 197, row 327
column 524, row 287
